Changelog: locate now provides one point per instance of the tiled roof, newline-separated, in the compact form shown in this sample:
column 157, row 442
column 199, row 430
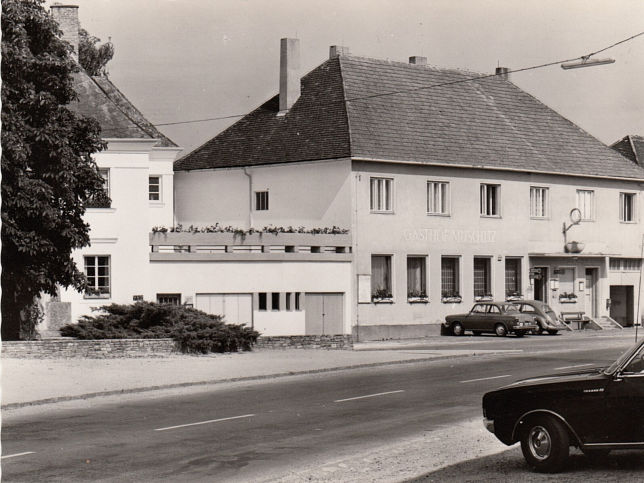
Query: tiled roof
column 100, row 99
column 484, row 123
column 631, row 146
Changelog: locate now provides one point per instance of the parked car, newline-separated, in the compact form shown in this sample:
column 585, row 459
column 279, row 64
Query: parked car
column 544, row 316
column 501, row 318
column 596, row 410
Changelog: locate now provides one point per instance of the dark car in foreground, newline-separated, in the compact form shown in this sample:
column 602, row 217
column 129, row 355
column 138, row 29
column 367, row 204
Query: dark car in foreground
column 544, row 316
column 597, row 410
column 501, row 318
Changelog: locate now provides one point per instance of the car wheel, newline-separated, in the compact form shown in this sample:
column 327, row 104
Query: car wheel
column 538, row 330
column 553, row 332
column 457, row 329
column 545, row 444
column 500, row 330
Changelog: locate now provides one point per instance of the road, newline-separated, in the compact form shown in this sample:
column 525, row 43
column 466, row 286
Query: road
column 258, row 431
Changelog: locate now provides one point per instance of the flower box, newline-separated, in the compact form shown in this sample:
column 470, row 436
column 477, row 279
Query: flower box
column 452, row 299
column 418, row 300
column 483, row 298
column 513, row 298
column 574, row 247
column 567, row 298
column 382, row 300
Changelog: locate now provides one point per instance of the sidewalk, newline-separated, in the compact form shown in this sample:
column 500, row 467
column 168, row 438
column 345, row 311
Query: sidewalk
column 28, row 382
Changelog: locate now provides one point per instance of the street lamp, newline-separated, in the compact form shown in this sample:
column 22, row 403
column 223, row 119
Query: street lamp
column 586, row 61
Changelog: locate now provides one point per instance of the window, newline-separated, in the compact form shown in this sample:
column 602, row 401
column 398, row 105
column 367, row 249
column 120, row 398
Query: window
column 97, row 271
column 105, row 174
column 289, row 295
column 567, row 280
column 298, row 301
column 627, row 207
column 512, row 276
column 169, row 298
column 261, row 301
column 482, row 277
column 449, row 277
column 382, row 194
column 479, row 309
column 275, row 301
column 586, row 204
column 416, row 277
column 101, row 199
column 493, row 309
column 538, row 202
column 624, row 264
column 154, row 188
column 528, row 309
column 437, row 198
column 261, row 200
column 381, row 276
column 490, row 199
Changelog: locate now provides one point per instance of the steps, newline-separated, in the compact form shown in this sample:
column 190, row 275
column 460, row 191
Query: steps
column 606, row 323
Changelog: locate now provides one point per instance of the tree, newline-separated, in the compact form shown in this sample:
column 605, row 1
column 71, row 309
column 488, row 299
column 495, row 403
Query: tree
column 47, row 170
column 91, row 57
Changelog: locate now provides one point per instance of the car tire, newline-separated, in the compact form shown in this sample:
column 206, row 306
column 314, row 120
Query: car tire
column 538, row 330
column 500, row 330
column 457, row 329
column 545, row 444
column 553, row 332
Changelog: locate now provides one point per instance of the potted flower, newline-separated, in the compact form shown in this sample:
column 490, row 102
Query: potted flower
column 567, row 298
column 382, row 296
column 488, row 297
column 574, row 247
column 512, row 296
column 417, row 297
column 451, row 297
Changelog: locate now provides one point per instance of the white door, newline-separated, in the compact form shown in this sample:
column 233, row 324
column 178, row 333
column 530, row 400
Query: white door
column 237, row 308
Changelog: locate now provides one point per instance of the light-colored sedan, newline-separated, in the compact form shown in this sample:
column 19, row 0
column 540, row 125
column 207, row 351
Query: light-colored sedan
column 544, row 316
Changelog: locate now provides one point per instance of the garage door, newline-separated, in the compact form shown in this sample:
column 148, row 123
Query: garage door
column 237, row 308
column 324, row 313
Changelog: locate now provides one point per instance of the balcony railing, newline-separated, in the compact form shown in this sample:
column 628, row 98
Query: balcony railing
column 185, row 246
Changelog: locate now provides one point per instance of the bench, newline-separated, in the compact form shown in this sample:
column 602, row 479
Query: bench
column 571, row 317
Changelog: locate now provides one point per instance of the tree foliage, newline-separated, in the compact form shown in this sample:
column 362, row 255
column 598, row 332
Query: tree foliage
column 92, row 57
column 47, row 170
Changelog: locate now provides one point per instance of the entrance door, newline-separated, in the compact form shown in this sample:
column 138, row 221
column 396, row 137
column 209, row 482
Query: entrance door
column 237, row 308
column 621, row 306
column 541, row 284
column 324, row 313
column 591, row 292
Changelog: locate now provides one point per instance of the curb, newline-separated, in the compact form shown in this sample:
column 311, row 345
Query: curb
column 136, row 390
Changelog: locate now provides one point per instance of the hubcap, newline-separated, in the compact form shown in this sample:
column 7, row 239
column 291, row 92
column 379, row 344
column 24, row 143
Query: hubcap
column 539, row 442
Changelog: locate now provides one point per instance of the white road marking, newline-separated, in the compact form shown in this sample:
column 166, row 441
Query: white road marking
column 205, row 422
column 572, row 367
column 485, row 378
column 17, row 454
column 368, row 395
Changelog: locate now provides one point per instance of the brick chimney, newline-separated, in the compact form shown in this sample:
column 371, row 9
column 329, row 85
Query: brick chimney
column 418, row 60
column 289, row 73
column 336, row 50
column 67, row 18
column 503, row 73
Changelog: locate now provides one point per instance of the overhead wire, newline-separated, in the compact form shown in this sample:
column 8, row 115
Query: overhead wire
column 432, row 86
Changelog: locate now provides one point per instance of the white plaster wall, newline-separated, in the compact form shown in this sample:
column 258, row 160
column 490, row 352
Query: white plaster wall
column 410, row 231
column 192, row 278
column 315, row 194
column 162, row 212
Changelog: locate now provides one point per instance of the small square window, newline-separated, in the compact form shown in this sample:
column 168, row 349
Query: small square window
column 382, row 194
column 169, row 298
column 154, row 188
column 437, row 198
column 261, row 200
column 586, row 204
column 490, row 194
column 97, row 271
column 538, row 202
column 627, row 207
column 275, row 301
column 262, row 301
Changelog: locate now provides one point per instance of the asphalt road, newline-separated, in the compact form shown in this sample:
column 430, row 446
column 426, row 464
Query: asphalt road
column 248, row 432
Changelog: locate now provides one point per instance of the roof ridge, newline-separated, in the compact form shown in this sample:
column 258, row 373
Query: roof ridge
column 456, row 70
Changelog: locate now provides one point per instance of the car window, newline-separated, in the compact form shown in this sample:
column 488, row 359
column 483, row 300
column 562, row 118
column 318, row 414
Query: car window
column 637, row 348
column 479, row 309
column 509, row 308
column 493, row 309
column 636, row 365
column 528, row 309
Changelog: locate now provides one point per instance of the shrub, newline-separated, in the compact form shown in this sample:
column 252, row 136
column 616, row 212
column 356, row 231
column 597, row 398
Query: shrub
column 193, row 330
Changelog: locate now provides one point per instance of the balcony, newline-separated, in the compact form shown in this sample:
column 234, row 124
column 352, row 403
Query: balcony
column 188, row 246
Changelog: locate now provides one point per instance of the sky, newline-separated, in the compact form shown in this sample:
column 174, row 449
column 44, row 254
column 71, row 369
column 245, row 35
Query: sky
column 181, row 60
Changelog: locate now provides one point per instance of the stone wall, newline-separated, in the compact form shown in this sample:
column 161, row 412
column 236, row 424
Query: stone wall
column 96, row 349
column 306, row 342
